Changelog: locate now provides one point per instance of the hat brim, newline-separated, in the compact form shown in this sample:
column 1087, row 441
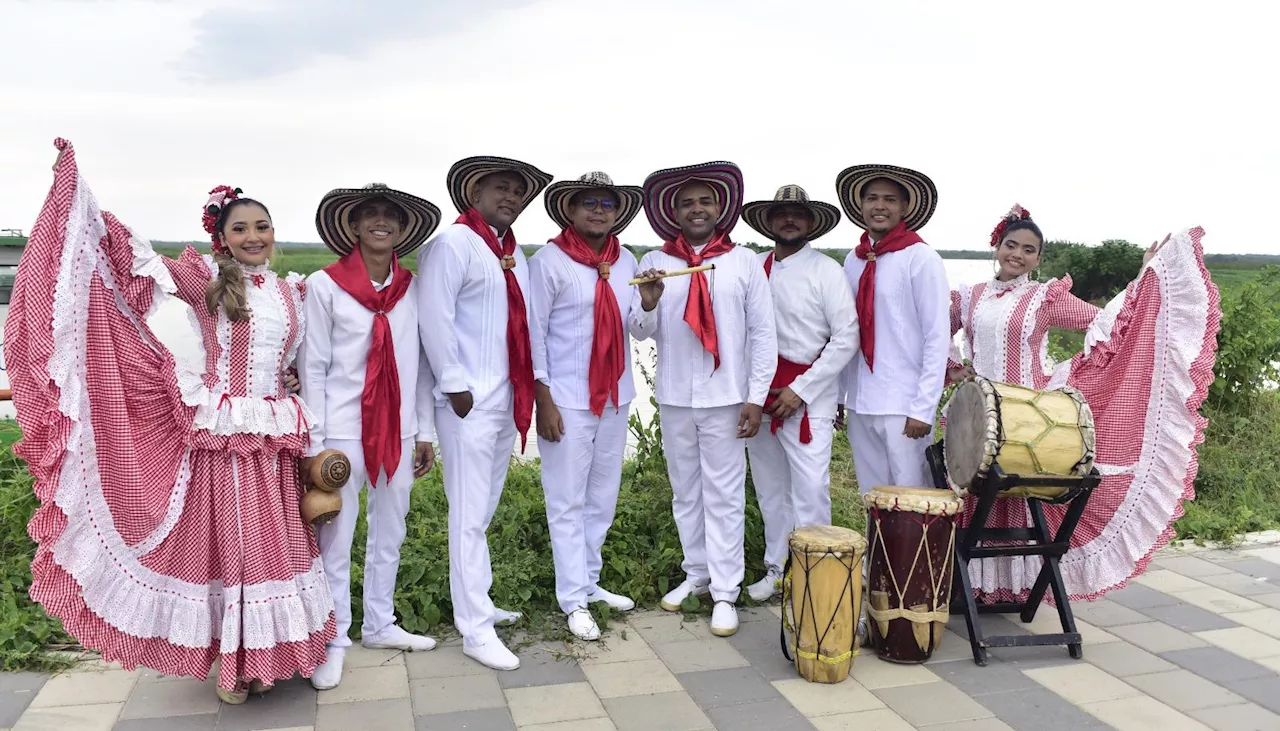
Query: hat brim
column 466, row 173
column 559, row 195
column 825, row 217
column 924, row 194
column 660, row 190
column 333, row 218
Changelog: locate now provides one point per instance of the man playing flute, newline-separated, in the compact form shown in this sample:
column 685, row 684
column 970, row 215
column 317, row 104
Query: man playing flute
column 716, row 356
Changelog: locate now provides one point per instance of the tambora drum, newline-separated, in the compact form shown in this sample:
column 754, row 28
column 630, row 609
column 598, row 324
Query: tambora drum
column 822, row 597
column 911, row 536
column 1030, row 433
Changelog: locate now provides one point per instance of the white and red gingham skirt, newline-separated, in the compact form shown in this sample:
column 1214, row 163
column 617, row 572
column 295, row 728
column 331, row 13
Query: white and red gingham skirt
column 158, row 545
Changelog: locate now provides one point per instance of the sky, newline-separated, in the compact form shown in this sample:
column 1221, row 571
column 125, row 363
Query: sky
column 1105, row 119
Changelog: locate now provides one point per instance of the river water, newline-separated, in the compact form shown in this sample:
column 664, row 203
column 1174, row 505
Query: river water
column 173, row 328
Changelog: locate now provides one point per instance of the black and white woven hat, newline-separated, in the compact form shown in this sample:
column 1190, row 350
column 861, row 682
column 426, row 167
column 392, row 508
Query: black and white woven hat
column 559, row 195
column 333, row 217
column 922, row 191
column 825, row 215
column 466, row 173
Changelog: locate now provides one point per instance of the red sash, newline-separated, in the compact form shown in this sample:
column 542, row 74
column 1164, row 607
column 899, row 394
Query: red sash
column 380, row 399
column 896, row 240
column 519, row 347
column 608, row 351
column 784, row 376
column 698, row 312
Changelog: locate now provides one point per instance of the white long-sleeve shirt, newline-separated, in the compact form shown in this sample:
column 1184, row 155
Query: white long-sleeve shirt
column 335, row 353
column 743, row 306
column 462, row 303
column 816, row 324
column 562, row 323
column 913, row 336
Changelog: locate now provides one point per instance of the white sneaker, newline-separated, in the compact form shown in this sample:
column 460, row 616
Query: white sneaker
column 583, row 625
column 328, row 675
column 671, row 602
column 764, row 589
column 505, row 617
column 492, row 654
column 615, row 601
column 862, row 631
column 724, row 619
column 395, row 638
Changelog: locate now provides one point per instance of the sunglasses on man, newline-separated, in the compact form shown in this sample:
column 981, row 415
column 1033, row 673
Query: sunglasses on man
column 604, row 204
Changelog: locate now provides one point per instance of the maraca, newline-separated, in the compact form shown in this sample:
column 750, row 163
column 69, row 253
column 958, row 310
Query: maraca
column 329, row 470
column 319, row 506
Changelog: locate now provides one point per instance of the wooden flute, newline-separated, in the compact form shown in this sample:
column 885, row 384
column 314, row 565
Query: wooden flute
column 673, row 273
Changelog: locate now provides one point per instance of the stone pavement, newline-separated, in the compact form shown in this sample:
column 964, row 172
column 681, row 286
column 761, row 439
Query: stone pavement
column 1192, row 644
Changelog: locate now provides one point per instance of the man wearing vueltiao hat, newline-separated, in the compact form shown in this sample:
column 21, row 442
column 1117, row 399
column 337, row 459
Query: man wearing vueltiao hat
column 717, row 351
column 364, row 376
column 473, row 320
column 582, row 306
column 817, row 337
column 903, row 301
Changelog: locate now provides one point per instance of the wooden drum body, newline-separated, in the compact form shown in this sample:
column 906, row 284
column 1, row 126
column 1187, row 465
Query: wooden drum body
column 911, row 534
column 1030, row 433
column 822, row 597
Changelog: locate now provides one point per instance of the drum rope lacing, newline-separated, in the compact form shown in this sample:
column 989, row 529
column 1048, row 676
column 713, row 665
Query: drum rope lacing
column 940, row 612
column 807, row 602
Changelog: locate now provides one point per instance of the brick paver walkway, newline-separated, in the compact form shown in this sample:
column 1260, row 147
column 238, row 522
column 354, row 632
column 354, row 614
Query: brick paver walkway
column 1193, row 644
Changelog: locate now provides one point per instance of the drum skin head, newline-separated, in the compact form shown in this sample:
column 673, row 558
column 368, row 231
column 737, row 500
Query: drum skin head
column 822, row 538
column 967, row 431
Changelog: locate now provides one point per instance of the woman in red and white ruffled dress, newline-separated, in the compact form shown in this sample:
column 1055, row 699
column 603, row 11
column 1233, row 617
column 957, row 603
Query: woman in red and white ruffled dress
column 1145, row 370
column 169, row 532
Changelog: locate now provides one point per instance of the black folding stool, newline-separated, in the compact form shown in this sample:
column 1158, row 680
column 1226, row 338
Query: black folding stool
column 1033, row 541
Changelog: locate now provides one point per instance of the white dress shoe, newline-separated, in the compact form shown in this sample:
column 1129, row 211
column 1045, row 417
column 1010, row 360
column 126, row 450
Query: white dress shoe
column 764, row 589
column 583, row 625
column 395, row 638
column 615, row 601
column 328, row 675
column 671, row 602
column 505, row 617
column 492, row 654
column 724, row 619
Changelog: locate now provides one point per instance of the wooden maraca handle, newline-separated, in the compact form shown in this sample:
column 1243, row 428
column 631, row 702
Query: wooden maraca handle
column 674, row 273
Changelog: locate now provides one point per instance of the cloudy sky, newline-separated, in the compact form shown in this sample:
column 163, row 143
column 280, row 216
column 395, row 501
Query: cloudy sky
column 1104, row 118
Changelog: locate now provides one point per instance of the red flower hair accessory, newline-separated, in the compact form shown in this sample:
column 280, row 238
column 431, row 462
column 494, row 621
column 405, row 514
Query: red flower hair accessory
column 1017, row 213
column 218, row 197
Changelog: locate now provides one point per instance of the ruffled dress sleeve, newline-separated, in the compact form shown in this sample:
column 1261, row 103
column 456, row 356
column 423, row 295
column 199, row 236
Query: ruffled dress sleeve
column 103, row 425
column 1145, row 374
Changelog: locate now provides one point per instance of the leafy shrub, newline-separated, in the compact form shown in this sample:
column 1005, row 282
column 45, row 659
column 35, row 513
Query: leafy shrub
column 1248, row 343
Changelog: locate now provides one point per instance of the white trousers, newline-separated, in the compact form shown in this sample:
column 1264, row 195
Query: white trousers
column 476, row 452
column 581, row 475
column 707, row 465
column 388, row 506
column 883, row 456
column 792, row 481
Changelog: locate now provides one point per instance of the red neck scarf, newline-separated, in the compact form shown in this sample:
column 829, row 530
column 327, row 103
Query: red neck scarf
column 896, row 240
column 380, row 399
column 519, row 350
column 697, row 311
column 786, row 373
column 608, row 356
